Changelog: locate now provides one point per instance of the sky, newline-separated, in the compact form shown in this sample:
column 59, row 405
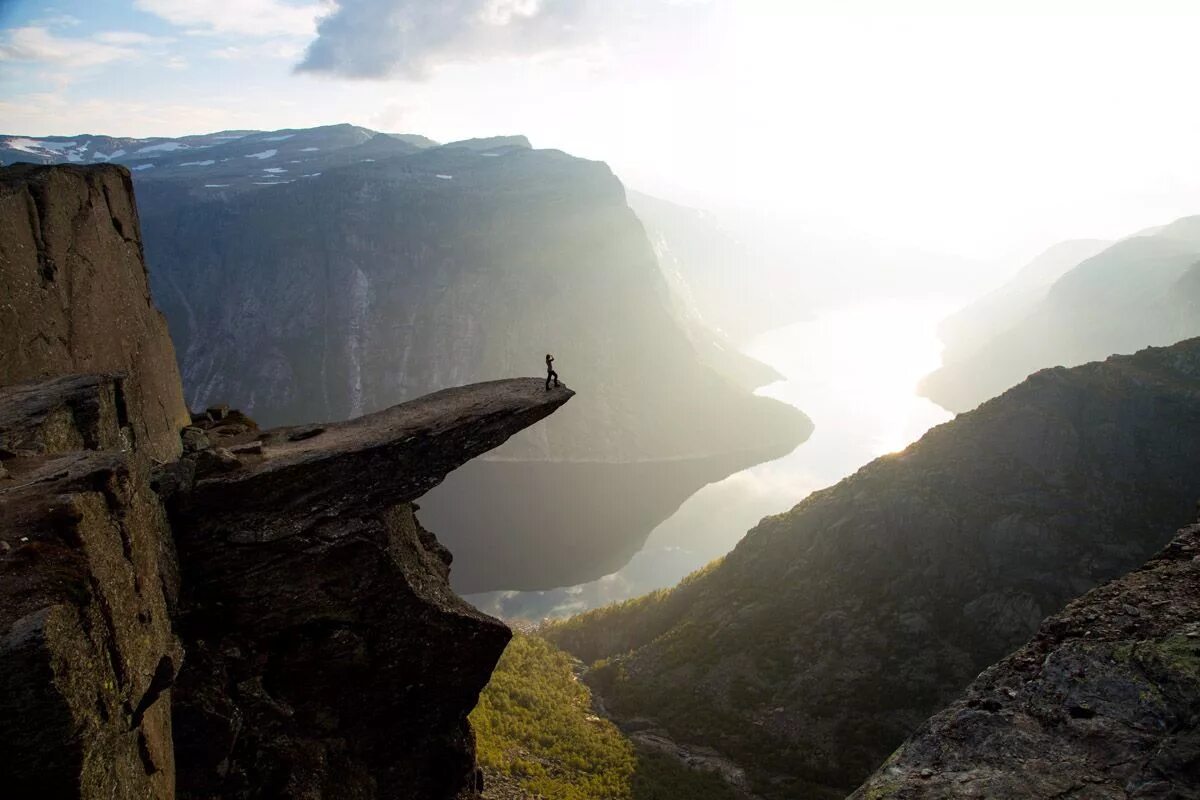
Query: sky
column 983, row 129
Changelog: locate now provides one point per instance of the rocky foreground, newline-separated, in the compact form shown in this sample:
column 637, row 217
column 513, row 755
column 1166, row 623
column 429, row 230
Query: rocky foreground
column 208, row 610
column 1103, row 703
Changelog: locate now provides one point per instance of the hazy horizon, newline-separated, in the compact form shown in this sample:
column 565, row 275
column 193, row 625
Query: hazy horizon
column 984, row 136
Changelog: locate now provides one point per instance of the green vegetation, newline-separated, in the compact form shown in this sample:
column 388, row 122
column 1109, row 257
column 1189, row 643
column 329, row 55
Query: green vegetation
column 622, row 627
column 535, row 726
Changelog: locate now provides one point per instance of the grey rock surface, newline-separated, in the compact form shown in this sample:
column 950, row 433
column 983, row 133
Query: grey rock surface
column 1104, row 702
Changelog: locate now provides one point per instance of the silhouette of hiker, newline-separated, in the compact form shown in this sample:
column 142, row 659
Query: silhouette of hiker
column 551, row 375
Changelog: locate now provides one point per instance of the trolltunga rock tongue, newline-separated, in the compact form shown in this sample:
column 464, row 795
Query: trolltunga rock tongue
column 326, row 648
column 310, row 475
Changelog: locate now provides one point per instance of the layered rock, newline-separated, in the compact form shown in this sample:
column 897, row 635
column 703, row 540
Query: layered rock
column 1103, row 702
column 88, row 653
column 76, row 296
column 832, row 631
column 87, row 567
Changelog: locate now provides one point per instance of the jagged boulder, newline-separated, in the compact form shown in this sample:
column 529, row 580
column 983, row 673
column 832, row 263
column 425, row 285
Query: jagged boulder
column 1104, row 702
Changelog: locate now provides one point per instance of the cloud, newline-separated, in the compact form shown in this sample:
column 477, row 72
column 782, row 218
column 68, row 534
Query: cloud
column 261, row 18
column 130, row 38
column 278, row 49
column 56, row 21
column 37, row 45
column 382, row 38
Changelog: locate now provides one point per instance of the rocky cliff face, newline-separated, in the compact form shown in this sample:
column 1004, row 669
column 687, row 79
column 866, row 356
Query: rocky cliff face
column 75, row 294
column 371, row 272
column 1102, row 703
column 832, row 631
column 88, row 652
column 304, row 642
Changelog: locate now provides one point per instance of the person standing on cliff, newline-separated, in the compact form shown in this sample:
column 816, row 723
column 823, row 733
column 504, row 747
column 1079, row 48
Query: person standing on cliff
column 551, row 375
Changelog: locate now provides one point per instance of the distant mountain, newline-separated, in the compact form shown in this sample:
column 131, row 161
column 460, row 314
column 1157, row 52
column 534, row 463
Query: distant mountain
column 718, row 276
column 705, row 320
column 748, row 274
column 222, row 162
column 325, row 273
column 833, row 630
column 1137, row 292
column 969, row 329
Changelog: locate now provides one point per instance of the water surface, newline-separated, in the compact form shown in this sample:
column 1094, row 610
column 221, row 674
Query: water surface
column 854, row 371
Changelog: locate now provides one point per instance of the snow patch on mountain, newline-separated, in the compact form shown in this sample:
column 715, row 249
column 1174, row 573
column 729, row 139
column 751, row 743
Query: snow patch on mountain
column 263, row 154
column 207, row 163
column 38, row 147
column 163, row 147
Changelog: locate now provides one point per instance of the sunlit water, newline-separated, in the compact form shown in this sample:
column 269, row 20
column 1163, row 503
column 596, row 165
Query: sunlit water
column 854, row 370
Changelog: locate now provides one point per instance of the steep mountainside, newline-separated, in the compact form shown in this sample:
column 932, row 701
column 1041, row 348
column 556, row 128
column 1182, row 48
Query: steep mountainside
column 326, row 273
column 750, row 273
column 685, row 242
column 1133, row 294
column 717, row 273
column 261, row 616
column 833, row 630
column 969, row 329
column 1103, row 702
